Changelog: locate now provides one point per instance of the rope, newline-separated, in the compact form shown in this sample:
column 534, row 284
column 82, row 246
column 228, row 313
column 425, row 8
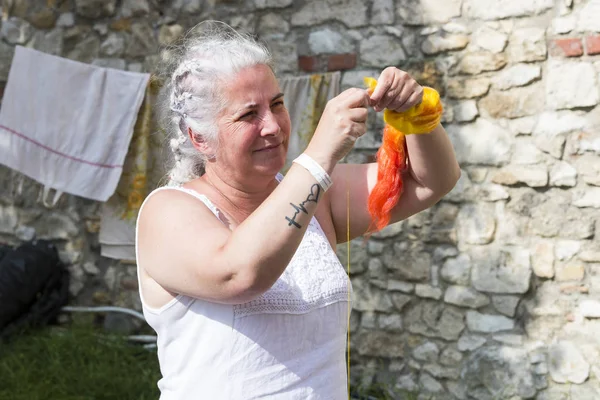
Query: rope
column 348, row 271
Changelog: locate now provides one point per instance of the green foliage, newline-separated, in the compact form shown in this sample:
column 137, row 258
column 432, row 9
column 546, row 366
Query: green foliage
column 76, row 364
column 81, row 363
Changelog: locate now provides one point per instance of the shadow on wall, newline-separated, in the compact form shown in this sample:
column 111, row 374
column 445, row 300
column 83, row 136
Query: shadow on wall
column 486, row 294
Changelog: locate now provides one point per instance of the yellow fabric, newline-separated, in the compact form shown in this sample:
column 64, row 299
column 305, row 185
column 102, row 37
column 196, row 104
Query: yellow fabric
column 392, row 155
column 420, row 119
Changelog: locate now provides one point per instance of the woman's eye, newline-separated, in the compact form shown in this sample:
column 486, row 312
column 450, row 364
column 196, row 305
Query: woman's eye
column 248, row 115
column 278, row 103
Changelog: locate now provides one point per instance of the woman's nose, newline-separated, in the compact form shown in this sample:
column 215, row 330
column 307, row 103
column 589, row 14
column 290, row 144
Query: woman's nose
column 270, row 125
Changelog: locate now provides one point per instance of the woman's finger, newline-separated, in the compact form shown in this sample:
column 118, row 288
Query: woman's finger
column 414, row 99
column 403, row 98
column 359, row 129
column 392, row 93
column 356, row 98
column 359, row 114
column 387, row 99
column 383, row 85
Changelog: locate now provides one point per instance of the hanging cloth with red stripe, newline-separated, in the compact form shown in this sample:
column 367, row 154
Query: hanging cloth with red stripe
column 67, row 124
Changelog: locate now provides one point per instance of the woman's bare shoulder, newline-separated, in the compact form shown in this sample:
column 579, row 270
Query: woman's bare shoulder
column 178, row 240
column 169, row 204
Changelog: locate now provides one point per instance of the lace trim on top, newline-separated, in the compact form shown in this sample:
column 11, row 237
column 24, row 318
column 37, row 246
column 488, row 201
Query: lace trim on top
column 314, row 278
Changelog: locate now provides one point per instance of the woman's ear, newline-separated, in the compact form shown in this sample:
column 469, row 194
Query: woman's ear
column 200, row 143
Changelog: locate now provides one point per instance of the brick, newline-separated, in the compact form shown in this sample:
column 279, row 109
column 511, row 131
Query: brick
column 322, row 63
column 592, row 45
column 308, row 63
column 338, row 62
column 571, row 47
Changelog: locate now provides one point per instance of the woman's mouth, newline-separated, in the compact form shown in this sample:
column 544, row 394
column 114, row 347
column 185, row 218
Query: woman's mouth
column 269, row 148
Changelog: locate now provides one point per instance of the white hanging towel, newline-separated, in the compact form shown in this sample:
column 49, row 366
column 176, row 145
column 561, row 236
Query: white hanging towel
column 67, row 124
column 305, row 98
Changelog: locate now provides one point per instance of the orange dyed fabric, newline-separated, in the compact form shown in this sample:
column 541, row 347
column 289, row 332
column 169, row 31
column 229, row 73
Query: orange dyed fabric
column 392, row 156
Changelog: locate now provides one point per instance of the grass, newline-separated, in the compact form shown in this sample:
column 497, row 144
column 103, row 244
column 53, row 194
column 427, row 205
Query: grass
column 79, row 364
column 75, row 364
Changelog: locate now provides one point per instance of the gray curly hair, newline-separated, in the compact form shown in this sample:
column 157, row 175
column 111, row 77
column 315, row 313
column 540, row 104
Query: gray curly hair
column 193, row 72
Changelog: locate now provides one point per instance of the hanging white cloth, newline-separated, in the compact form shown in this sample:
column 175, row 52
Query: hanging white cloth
column 67, row 124
column 143, row 171
column 306, row 97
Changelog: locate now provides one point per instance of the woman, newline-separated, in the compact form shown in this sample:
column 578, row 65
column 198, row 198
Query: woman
column 236, row 265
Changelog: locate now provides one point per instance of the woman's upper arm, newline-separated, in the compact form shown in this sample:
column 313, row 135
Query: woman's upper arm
column 179, row 242
column 353, row 183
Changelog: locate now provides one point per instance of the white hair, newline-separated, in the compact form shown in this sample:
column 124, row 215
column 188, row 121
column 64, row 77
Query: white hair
column 194, row 72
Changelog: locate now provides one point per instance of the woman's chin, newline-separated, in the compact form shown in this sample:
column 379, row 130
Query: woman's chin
column 270, row 160
column 270, row 168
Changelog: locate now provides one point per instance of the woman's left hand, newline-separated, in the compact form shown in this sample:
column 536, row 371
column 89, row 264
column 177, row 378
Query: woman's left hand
column 396, row 90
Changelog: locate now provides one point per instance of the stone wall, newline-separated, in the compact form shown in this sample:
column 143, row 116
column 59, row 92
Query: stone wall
column 491, row 294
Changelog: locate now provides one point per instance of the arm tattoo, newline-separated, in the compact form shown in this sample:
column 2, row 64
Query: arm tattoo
column 313, row 197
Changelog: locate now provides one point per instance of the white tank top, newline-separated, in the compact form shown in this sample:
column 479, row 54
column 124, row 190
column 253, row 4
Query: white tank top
column 289, row 343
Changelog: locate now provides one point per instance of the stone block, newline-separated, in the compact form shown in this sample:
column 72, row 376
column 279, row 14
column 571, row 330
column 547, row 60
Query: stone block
column 505, row 8
column 566, row 364
column 514, row 103
column 353, row 13
column 482, row 142
column 528, row 45
column 506, row 305
column 95, row 8
column 517, row 75
column 465, row 297
column 486, row 323
column 381, row 344
column 380, row 51
column 476, row 63
column 501, row 270
column 425, row 12
column 498, row 372
column 461, row 88
column 571, row 84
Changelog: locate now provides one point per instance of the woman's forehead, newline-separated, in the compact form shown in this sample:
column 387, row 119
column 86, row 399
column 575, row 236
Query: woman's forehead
column 252, row 84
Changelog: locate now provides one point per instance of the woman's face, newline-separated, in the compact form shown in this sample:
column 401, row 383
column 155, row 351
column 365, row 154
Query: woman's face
column 254, row 126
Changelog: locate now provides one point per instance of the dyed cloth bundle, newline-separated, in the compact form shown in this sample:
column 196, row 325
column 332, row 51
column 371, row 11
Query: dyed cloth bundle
column 392, row 156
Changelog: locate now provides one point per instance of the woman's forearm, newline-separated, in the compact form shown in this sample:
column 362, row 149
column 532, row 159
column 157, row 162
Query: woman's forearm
column 432, row 162
column 261, row 247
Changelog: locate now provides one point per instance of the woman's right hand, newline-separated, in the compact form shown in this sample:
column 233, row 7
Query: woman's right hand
column 343, row 121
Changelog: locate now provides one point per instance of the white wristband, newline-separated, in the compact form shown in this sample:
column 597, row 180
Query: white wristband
column 316, row 171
